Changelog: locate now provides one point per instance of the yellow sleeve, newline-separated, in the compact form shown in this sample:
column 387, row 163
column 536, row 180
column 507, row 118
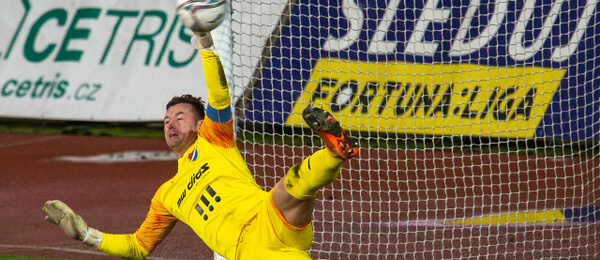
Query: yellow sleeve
column 216, row 82
column 157, row 225
column 122, row 245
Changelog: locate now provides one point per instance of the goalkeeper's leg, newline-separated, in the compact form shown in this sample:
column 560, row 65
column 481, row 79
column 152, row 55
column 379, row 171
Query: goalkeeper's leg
column 294, row 195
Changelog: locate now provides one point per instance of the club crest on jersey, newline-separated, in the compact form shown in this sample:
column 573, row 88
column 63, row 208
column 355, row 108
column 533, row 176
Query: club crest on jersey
column 193, row 155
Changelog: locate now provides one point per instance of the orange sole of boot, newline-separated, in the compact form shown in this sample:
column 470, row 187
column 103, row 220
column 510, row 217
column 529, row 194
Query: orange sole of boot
column 330, row 131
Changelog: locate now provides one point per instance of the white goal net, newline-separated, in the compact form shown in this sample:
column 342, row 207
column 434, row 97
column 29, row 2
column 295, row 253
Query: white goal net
column 478, row 121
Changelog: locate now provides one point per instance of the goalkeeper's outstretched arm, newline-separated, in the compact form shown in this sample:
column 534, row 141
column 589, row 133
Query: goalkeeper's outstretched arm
column 219, row 99
column 138, row 245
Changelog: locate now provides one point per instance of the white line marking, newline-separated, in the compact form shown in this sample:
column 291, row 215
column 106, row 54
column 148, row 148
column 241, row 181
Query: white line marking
column 118, row 157
column 63, row 249
column 439, row 224
column 30, row 141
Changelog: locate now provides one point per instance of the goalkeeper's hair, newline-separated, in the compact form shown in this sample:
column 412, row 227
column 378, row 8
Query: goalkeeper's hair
column 196, row 102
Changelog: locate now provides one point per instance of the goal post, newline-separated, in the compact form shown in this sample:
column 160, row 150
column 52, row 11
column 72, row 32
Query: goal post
column 478, row 121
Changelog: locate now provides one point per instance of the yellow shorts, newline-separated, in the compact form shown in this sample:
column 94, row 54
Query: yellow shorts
column 270, row 236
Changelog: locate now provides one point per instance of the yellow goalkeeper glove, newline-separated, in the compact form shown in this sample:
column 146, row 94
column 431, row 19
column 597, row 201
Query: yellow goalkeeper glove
column 72, row 224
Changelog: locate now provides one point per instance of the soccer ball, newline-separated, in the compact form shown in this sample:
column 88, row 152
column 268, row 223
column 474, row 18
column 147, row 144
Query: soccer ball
column 201, row 15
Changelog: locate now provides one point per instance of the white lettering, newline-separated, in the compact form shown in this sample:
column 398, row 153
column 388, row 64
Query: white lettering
column 516, row 47
column 460, row 47
column 356, row 20
column 430, row 14
column 379, row 45
column 520, row 47
column 563, row 53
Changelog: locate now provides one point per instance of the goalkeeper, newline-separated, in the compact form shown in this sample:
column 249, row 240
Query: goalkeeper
column 213, row 190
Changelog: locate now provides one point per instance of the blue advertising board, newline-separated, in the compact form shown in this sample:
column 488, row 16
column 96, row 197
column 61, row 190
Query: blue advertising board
column 508, row 69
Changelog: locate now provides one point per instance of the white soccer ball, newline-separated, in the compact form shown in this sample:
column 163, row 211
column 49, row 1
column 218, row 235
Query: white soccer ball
column 201, row 15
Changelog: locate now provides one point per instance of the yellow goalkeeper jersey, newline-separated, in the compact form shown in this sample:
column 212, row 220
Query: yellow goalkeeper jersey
column 213, row 191
column 212, row 184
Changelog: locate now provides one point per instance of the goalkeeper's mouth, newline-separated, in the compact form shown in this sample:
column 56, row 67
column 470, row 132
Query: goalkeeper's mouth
column 173, row 135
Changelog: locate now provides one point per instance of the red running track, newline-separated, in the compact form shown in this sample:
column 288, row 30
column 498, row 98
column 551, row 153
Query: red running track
column 381, row 200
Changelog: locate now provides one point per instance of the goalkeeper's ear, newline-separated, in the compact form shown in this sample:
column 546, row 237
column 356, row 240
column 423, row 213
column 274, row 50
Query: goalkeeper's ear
column 72, row 224
column 202, row 41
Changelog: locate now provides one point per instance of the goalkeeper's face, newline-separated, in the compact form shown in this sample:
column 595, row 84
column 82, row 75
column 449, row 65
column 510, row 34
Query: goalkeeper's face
column 181, row 127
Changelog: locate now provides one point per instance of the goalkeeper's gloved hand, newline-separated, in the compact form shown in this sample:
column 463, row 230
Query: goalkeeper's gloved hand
column 202, row 41
column 72, row 224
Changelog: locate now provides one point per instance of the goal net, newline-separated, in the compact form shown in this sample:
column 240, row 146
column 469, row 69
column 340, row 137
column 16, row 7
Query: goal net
column 478, row 121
